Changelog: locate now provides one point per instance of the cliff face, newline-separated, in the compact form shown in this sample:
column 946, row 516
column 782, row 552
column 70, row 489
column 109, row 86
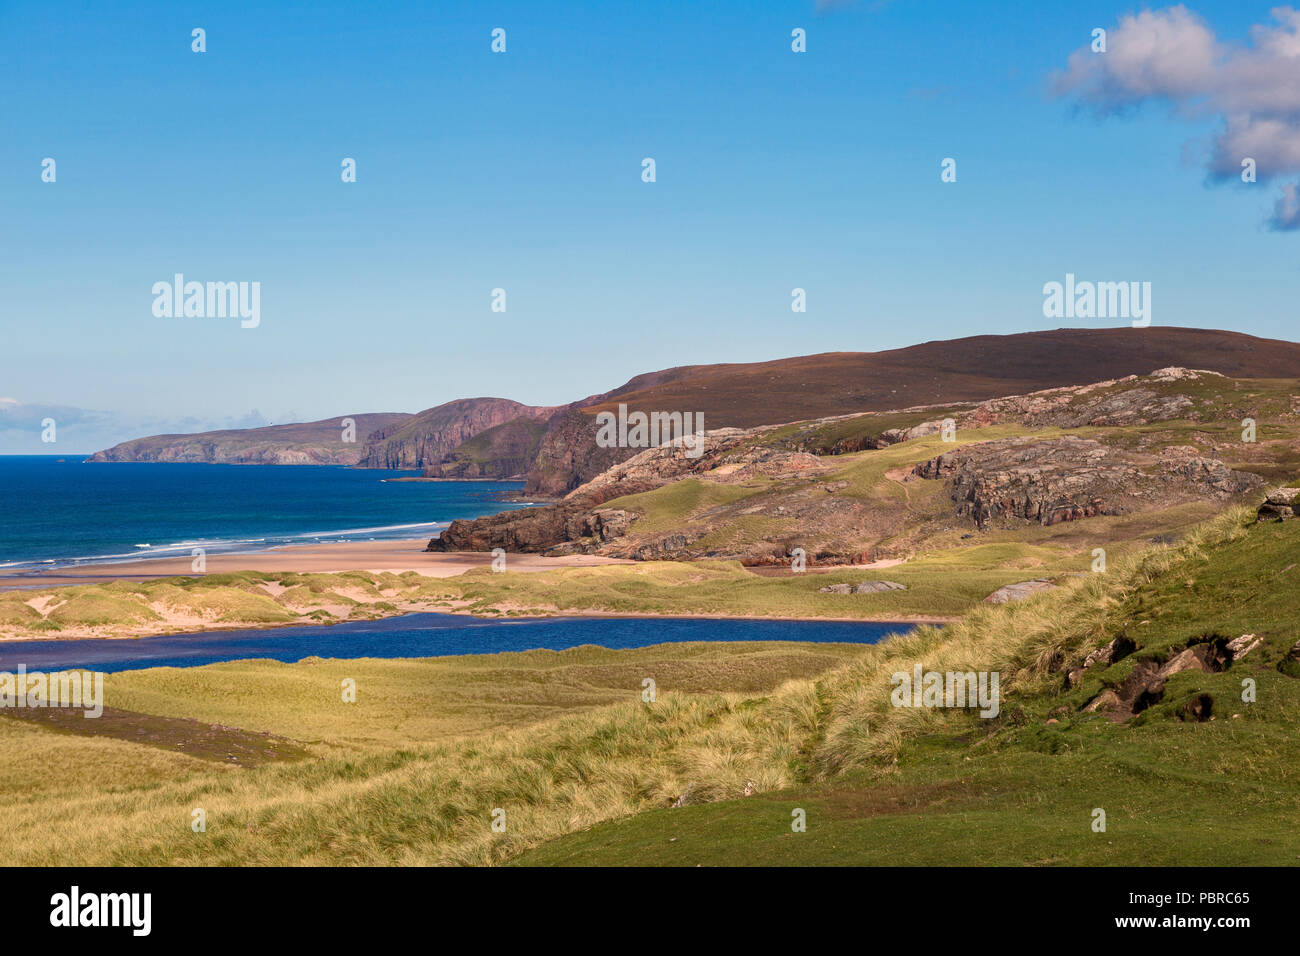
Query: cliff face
column 428, row 437
column 568, row 455
column 503, row 451
column 301, row 443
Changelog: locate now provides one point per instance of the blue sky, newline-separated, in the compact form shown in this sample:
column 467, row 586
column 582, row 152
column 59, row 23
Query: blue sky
column 522, row 171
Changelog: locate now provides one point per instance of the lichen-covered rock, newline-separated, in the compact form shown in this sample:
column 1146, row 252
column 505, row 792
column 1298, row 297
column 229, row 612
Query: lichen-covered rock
column 1239, row 647
column 1280, row 505
column 864, row 587
column 1050, row 480
column 1018, row 591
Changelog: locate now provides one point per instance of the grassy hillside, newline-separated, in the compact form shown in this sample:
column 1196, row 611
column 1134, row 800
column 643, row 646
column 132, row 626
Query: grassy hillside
column 930, row 788
column 738, row 737
column 847, row 503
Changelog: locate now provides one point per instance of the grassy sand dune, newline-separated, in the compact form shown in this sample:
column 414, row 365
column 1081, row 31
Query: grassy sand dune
column 938, row 586
column 408, row 773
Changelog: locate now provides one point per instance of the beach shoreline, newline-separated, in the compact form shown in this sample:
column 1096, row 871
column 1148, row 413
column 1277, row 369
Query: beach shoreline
column 395, row 556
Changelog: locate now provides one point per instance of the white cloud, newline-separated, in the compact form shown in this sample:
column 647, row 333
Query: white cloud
column 22, row 424
column 1286, row 212
column 16, row 415
column 1173, row 56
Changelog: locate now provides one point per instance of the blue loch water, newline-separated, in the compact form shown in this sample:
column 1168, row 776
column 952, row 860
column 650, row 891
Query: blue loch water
column 420, row 635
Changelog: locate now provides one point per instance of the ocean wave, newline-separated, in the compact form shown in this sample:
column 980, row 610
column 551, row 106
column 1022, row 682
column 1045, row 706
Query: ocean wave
column 231, row 545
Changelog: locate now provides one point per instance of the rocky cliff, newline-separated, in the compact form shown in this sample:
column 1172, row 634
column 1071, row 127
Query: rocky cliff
column 502, row 451
column 568, row 455
column 425, row 439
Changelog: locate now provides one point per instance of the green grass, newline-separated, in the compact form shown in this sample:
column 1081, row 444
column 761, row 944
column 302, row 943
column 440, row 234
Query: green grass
column 407, row 702
column 726, row 588
column 665, row 508
column 747, row 529
column 955, row 789
column 865, row 470
column 95, row 604
column 1171, row 799
column 15, row 610
column 822, row 439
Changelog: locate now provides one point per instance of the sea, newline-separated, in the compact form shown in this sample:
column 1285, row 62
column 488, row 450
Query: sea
column 62, row 511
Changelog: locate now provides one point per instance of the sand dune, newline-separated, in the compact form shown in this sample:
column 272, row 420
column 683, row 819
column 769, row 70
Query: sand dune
column 395, row 556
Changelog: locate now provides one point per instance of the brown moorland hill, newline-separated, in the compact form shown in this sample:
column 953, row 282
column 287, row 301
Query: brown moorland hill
column 971, row 369
column 933, row 373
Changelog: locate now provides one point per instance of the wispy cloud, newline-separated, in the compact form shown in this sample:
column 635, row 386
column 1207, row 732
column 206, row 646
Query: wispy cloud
column 23, row 423
column 1286, row 211
column 29, row 416
column 1173, row 56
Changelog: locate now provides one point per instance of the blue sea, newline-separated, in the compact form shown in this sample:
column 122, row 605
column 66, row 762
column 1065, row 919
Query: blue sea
column 60, row 511
column 420, row 635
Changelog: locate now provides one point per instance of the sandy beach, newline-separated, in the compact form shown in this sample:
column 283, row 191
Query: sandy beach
column 394, row 556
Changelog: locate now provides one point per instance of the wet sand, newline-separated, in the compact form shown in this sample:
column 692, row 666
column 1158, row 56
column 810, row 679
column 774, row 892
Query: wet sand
column 394, row 556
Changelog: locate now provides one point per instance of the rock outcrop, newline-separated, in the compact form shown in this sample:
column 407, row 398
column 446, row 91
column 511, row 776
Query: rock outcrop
column 1098, row 404
column 1145, row 683
column 1281, row 505
column 863, row 587
column 1063, row 479
column 1019, row 591
column 1116, row 650
column 577, row 524
column 534, row 529
column 722, row 452
column 576, row 521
